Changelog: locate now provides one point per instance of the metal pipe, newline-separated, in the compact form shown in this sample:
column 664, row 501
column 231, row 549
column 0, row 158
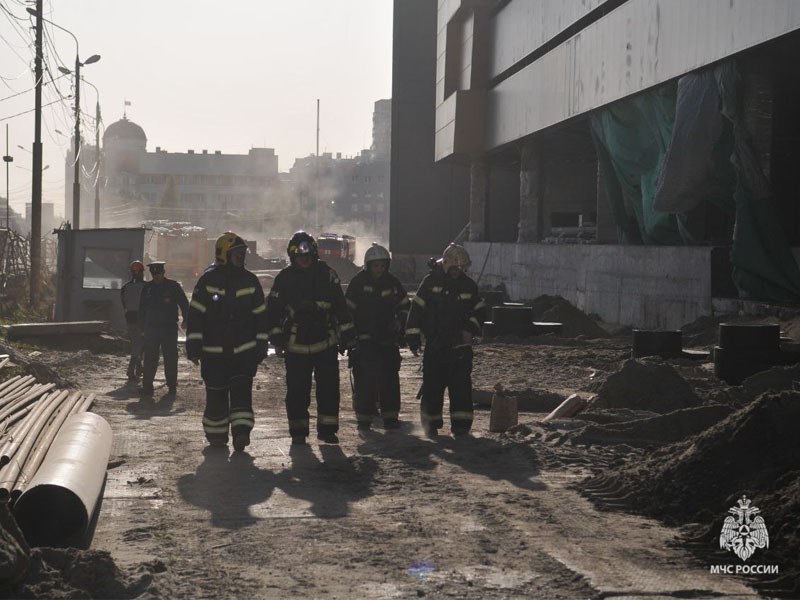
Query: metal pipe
column 19, row 449
column 8, row 382
column 56, row 508
column 13, row 444
column 84, row 406
column 23, row 399
column 38, row 452
column 29, row 380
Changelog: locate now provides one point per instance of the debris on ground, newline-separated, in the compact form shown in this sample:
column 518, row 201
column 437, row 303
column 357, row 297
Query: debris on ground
column 755, row 451
column 645, row 384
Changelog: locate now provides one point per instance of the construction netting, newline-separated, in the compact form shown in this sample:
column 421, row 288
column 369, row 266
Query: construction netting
column 666, row 151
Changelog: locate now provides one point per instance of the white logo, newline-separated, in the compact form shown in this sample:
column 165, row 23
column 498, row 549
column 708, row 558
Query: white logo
column 744, row 532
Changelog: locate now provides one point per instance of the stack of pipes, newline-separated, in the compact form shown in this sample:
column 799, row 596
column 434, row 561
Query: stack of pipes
column 31, row 415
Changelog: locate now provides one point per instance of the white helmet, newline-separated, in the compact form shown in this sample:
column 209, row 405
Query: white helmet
column 375, row 252
column 455, row 256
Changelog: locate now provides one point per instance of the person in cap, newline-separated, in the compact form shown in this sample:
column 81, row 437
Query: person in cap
column 379, row 304
column 131, row 297
column 158, row 315
column 308, row 322
column 448, row 311
column 226, row 333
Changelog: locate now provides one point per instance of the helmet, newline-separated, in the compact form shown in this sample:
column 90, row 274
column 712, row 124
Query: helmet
column 455, row 256
column 225, row 243
column 301, row 244
column 376, row 252
column 137, row 266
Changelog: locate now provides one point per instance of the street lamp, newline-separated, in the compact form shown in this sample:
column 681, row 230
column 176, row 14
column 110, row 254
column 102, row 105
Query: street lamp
column 97, row 155
column 76, row 186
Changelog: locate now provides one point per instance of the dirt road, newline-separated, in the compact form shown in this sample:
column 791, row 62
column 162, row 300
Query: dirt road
column 389, row 515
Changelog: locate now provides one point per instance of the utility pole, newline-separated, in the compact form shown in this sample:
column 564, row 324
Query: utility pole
column 36, row 184
column 76, row 181
column 316, row 176
column 97, row 164
column 7, row 159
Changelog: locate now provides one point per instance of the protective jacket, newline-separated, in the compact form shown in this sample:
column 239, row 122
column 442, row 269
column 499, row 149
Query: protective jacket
column 306, row 310
column 375, row 304
column 158, row 307
column 443, row 307
column 227, row 314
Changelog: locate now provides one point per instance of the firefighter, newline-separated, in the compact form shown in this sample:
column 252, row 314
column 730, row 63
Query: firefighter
column 227, row 333
column 308, row 321
column 448, row 312
column 379, row 304
column 158, row 316
column 131, row 296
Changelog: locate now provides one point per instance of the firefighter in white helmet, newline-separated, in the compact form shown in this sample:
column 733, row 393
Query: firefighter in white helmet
column 379, row 304
column 448, row 311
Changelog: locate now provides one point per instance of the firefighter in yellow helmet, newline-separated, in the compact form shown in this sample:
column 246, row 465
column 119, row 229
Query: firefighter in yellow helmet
column 308, row 322
column 448, row 311
column 379, row 304
column 227, row 334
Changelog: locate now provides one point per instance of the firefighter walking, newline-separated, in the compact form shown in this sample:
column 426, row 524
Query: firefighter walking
column 158, row 314
column 379, row 304
column 227, row 333
column 448, row 312
column 131, row 297
column 308, row 322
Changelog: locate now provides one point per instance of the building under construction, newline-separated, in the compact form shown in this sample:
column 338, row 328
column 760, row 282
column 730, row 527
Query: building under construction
column 635, row 157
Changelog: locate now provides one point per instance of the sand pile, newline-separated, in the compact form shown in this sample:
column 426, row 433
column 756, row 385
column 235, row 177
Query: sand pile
column 654, row 431
column 754, row 451
column 645, row 384
column 555, row 309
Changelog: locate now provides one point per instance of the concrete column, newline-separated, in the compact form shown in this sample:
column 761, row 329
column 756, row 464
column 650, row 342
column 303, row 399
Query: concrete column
column 478, row 199
column 531, row 186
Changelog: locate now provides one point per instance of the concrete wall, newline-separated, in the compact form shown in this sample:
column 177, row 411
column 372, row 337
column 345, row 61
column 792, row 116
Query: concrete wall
column 429, row 201
column 639, row 45
column 663, row 287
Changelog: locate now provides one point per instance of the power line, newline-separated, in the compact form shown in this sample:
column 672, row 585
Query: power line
column 24, row 112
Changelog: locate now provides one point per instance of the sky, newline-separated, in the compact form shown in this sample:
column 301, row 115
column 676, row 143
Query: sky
column 199, row 74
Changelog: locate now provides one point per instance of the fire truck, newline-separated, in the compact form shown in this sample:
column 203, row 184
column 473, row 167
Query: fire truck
column 183, row 246
column 332, row 245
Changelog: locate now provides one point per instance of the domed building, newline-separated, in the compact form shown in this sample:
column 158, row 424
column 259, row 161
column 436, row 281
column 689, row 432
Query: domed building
column 125, row 144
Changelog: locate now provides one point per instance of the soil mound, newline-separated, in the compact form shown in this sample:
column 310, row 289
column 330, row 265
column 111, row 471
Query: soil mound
column 755, row 451
column 654, row 431
column 72, row 573
column 648, row 384
column 776, row 379
column 555, row 309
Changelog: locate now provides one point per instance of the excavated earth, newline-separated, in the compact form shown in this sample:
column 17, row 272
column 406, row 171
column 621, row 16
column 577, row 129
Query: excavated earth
column 626, row 500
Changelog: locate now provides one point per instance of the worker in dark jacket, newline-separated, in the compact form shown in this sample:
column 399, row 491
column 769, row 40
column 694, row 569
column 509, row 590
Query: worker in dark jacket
column 158, row 315
column 227, row 333
column 131, row 297
column 308, row 321
column 379, row 304
column 448, row 312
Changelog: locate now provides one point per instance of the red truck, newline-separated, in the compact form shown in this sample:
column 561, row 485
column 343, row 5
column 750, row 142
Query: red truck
column 332, row 245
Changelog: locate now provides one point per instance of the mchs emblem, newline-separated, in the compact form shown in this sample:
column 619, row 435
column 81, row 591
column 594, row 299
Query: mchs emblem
column 744, row 531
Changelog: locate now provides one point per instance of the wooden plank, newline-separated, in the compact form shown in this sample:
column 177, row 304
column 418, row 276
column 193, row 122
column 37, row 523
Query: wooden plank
column 20, row 330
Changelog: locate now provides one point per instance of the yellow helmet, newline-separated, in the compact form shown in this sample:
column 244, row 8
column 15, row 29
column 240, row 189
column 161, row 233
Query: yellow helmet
column 225, row 243
column 455, row 256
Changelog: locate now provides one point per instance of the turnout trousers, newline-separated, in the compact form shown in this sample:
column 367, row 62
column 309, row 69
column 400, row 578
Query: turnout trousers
column 324, row 366
column 164, row 341
column 137, row 345
column 376, row 382
column 451, row 369
column 229, row 396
